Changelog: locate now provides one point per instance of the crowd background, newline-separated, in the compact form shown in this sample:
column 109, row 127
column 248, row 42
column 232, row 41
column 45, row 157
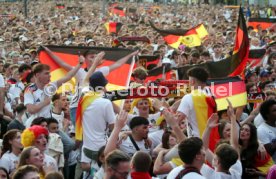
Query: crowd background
column 49, row 143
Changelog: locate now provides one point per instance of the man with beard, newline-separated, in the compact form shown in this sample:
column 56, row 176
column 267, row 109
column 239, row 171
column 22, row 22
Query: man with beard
column 117, row 165
column 60, row 104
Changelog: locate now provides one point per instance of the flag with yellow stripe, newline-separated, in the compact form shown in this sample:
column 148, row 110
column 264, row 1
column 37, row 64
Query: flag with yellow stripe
column 85, row 101
column 113, row 27
column 191, row 37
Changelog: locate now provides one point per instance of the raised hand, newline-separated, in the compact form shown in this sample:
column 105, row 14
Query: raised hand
column 213, row 121
column 99, row 58
column 230, row 110
column 81, row 59
column 169, row 117
column 121, row 120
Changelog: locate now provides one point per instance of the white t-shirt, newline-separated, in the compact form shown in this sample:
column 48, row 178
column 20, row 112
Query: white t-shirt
column 34, row 95
column 187, row 107
column 128, row 147
column 192, row 175
column 9, row 161
column 258, row 120
column 208, row 172
column 9, row 102
column 96, row 119
column 2, row 81
column 80, row 76
column 48, row 160
column 156, row 137
column 16, row 89
column 267, row 134
column 59, row 118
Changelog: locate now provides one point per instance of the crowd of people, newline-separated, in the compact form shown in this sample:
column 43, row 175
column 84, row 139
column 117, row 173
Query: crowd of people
column 84, row 135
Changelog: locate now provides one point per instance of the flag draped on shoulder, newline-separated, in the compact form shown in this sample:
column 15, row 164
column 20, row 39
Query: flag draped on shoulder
column 204, row 107
column 117, row 79
column 190, row 37
column 231, row 66
column 84, row 102
column 113, row 27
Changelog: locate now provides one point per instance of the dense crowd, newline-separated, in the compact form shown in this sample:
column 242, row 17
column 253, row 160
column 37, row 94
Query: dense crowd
column 85, row 135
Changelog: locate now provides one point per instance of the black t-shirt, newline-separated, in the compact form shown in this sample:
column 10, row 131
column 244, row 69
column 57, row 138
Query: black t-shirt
column 15, row 124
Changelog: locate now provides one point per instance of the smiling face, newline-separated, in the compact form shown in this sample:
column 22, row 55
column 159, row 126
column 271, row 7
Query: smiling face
column 245, row 132
column 143, row 106
column 36, row 158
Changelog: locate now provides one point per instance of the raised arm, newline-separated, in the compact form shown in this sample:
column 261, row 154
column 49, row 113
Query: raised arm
column 59, row 61
column 96, row 62
column 211, row 123
column 234, row 140
column 122, row 61
column 119, row 124
column 71, row 73
column 172, row 121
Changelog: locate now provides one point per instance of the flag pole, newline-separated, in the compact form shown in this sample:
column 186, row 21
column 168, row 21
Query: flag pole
column 25, row 9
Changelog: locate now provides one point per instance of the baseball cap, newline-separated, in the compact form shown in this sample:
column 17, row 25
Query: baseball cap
column 97, row 79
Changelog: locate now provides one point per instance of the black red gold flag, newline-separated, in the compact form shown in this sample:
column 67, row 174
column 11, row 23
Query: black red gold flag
column 264, row 23
column 113, row 27
column 69, row 54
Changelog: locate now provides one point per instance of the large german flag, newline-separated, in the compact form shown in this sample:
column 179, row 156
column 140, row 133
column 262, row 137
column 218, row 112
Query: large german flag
column 231, row 66
column 232, row 88
column 221, row 68
column 117, row 79
column 241, row 48
column 175, row 37
column 265, row 23
column 117, row 10
column 113, row 27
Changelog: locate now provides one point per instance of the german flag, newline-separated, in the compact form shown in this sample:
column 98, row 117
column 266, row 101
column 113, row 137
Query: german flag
column 231, row 66
column 130, row 39
column 256, row 56
column 163, row 72
column 117, row 79
column 221, row 68
column 232, row 88
column 204, row 107
column 117, row 10
column 176, row 37
column 265, row 23
column 60, row 6
column 147, row 61
column 113, row 27
column 241, row 48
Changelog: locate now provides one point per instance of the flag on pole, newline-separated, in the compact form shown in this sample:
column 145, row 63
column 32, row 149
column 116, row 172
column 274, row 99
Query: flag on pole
column 241, row 48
